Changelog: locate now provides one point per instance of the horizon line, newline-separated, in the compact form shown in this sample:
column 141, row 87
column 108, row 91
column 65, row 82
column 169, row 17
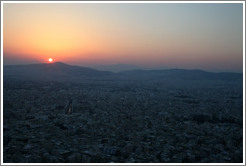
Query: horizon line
column 140, row 68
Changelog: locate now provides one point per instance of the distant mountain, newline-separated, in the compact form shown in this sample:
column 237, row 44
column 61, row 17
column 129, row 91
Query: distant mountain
column 63, row 72
column 51, row 72
column 116, row 67
column 182, row 74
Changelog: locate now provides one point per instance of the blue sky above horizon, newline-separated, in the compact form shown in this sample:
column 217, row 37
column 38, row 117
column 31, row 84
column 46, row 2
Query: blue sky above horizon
column 206, row 36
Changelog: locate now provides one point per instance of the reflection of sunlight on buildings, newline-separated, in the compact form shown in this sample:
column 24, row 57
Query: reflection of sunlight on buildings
column 69, row 107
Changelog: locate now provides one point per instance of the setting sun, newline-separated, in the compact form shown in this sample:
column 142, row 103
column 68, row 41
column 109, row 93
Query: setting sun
column 50, row 60
column 89, row 34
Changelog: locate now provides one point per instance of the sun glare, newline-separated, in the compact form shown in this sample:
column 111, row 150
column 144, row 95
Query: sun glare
column 50, row 60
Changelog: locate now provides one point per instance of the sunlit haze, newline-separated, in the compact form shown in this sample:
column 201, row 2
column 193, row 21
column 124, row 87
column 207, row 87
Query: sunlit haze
column 190, row 36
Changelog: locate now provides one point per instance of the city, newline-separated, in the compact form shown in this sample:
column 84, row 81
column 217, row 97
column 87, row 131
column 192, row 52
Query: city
column 120, row 120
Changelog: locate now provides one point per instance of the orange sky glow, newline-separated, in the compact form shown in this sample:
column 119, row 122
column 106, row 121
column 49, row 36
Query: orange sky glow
column 206, row 36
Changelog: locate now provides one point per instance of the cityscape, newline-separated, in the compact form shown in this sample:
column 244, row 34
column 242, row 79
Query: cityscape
column 123, row 119
column 122, row 82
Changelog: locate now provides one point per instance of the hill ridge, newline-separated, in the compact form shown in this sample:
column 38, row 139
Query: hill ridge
column 62, row 71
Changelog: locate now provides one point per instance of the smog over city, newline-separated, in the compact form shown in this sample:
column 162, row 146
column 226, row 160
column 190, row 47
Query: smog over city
column 122, row 82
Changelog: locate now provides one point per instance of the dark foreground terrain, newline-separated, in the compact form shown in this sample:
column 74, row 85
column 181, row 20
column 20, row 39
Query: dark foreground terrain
column 137, row 116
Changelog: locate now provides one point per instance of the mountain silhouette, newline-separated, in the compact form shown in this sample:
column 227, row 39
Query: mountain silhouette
column 116, row 67
column 182, row 74
column 59, row 71
column 56, row 71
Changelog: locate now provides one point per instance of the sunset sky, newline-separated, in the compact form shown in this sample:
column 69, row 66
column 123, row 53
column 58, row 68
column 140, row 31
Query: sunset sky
column 190, row 36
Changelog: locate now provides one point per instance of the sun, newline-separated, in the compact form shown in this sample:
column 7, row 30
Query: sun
column 50, row 60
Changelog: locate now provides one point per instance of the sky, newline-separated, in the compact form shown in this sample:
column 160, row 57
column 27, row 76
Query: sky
column 206, row 36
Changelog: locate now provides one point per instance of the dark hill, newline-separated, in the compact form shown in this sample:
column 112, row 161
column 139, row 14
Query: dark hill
column 182, row 74
column 51, row 72
column 63, row 72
